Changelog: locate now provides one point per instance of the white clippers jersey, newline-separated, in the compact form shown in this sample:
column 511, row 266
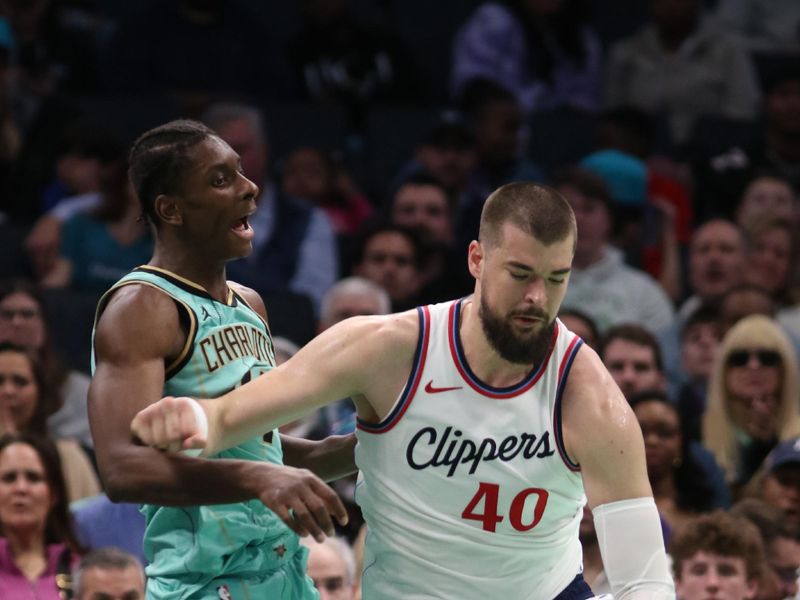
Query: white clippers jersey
column 466, row 488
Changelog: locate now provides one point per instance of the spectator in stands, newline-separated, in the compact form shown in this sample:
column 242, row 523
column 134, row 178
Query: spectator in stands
column 682, row 485
column 601, row 284
column 632, row 356
column 779, row 484
column 580, row 323
column 681, row 65
column 100, row 523
column 421, row 203
column 23, row 322
column 721, row 180
column 771, row 253
column 545, row 52
column 38, row 548
column 742, row 301
column 752, row 397
column 23, row 408
column 717, row 556
column 109, row 574
column 390, row 255
column 336, row 58
column 331, row 566
column 295, row 246
column 312, row 174
column 701, row 335
column 351, row 297
column 716, row 263
column 101, row 245
column 781, row 547
column 767, row 195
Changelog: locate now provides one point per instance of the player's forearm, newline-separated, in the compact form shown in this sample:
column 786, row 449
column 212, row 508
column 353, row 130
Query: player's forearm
column 145, row 475
column 328, row 459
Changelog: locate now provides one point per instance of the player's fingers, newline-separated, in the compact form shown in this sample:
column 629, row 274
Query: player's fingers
column 331, row 503
column 287, row 517
column 318, row 510
column 306, row 520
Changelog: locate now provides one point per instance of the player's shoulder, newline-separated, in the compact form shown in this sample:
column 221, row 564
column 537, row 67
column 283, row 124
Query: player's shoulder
column 388, row 332
column 591, row 396
column 138, row 306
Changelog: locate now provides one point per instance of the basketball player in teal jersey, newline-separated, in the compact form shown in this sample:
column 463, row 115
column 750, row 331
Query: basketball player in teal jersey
column 227, row 527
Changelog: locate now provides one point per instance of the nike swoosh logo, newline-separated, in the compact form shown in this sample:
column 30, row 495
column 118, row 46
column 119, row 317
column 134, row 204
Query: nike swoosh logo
column 435, row 390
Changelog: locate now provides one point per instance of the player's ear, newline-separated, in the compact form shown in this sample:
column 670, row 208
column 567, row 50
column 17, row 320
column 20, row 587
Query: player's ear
column 168, row 209
column 475, row 257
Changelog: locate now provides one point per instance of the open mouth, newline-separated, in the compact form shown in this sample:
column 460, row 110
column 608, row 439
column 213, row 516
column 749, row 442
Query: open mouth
column 241, row 227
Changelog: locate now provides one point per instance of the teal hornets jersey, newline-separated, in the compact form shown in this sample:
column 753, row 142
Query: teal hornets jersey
column 191, row 549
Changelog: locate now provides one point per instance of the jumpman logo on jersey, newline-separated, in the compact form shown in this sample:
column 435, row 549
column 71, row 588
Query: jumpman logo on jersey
column 205, row 314
column 435, row 390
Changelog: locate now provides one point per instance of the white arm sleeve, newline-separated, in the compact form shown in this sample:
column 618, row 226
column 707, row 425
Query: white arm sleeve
column 632, row 547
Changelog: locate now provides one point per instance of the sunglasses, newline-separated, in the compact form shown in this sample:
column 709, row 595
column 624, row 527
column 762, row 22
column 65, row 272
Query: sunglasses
column 766, row 358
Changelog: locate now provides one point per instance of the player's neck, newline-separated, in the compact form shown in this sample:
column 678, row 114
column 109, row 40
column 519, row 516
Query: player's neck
column 481, row 356
column 208, row 274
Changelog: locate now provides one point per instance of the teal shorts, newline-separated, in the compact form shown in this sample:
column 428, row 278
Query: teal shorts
column 287, row 582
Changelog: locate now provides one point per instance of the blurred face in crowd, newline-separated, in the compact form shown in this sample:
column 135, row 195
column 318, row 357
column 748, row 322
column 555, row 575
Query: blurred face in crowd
column 19, row 392
column 579, row 327
column 767, row 196
column 80, row 174
column 346, row 305
column 768, row 261
column 632, row 366
column 783, row 108
column 425, row 209
column 497, row 133
column 21, row 321
column 449, row 164
column 390, row 261
column 781, row 488
column 307, row 174
column 662, row 437
column 783, row 557
column 594, row 225
column 699, row 346
column 25, row 498
column 112, row 584
column 711, row 576
column 716, row 259
column 249, row 144
column 753, row 381
column 328, row 570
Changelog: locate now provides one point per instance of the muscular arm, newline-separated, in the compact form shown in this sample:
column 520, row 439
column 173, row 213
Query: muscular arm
column 603, row 435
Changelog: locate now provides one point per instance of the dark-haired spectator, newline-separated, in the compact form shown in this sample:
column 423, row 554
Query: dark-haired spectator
column 770, row 255
column 700, row 337
column 767, row 195
column 716, row 263
column 295, row 248
column 546, row 53
column 23, row 322
column 421, row 203
column 684, row 478
column 633, row 357
column 38, row 547
column 718, row 555
column 601, row 284
column 752, row 397
column 580, row 323
column 681, row 65
column 779, row 484
column 742, row 301
column 390, row 255
column 781, row 545
column 312, row 174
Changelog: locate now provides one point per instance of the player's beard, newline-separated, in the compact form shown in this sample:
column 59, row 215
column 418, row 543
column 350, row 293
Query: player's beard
column 526, row 350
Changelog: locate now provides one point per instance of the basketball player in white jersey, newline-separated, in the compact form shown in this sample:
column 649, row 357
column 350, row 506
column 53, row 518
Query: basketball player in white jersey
column 483, row 427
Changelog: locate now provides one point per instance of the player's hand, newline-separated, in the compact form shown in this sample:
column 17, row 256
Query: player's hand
column 302, row 500
column 172, row 424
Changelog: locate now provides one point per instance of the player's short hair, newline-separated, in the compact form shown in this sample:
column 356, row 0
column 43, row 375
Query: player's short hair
column 110, row 559
column 636, row 334
column 159, row 158
column 537, row 209
column 722, row 534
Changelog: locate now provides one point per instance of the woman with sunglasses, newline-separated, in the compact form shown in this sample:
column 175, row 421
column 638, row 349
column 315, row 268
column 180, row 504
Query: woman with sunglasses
column 753, row 397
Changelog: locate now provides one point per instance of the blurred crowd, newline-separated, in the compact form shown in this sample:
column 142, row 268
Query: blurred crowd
column 375, row 130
